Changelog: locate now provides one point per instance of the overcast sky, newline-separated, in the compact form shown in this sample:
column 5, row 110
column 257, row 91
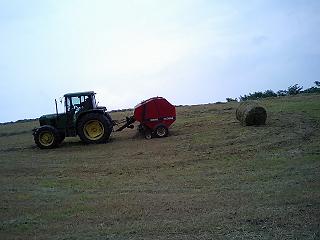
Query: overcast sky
column 188, row 51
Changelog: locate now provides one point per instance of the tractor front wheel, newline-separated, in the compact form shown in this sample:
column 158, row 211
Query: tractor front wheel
column 94, row 128
column 46, row 137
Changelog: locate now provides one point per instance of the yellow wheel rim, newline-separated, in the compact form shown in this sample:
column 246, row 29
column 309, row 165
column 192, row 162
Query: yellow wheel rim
column 93, row 130
column 46, row 138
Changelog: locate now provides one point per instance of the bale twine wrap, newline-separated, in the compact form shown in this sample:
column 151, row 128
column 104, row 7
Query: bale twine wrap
column 251, row 113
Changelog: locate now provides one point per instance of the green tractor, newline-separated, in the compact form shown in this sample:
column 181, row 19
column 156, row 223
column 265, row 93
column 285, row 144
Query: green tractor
column 82, row 117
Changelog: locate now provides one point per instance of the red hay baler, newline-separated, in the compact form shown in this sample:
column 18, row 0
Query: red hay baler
column 155, row 116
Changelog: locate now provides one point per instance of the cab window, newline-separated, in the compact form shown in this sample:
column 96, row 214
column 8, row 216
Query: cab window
column 75, row 101
column 68, row 104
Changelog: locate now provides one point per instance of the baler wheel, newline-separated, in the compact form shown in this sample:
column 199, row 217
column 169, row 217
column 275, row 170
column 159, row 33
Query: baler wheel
column 161, row 131
column 147, row 134
column 46, row 137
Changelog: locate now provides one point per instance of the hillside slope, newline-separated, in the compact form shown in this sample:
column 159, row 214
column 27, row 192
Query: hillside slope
column 210, row 179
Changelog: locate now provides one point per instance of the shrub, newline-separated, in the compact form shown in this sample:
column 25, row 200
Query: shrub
column 294, row 89
column 269, row 93
column 251, row 96
column 232, row 100
column 315, row 89
column 282, row 93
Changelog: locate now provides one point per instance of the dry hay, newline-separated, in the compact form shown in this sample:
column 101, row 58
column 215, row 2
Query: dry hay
column 251, row 113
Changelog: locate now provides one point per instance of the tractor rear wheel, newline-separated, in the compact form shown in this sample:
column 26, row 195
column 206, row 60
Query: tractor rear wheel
column 94, row 128
column 46, row 137
column 161, row 131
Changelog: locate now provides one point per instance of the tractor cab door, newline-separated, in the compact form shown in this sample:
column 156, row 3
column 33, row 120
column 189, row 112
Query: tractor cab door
column 86, row 103
column 74, row 106
column 70, row 103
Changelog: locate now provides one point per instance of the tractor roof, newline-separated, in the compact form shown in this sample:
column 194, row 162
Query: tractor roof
column 77, row 94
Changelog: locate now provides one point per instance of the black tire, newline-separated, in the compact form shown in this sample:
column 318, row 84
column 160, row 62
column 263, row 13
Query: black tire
column 147, row 134
column 46, row 137
column 161, row 131
column 108, row 117
column 141, row 128
column 94, row 128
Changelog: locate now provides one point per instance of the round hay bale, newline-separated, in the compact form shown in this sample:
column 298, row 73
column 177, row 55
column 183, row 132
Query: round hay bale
column 251, row 113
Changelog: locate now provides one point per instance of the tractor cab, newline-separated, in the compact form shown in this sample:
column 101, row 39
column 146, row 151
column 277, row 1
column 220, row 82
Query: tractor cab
column 78, row 102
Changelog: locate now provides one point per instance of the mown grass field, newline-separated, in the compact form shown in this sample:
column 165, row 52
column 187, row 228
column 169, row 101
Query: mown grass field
column 210, row 179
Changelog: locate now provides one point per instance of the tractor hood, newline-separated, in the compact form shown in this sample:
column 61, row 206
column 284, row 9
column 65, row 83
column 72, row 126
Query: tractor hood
column 51, row 119
column 49, row 116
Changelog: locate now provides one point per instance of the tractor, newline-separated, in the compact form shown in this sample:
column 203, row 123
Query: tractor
column 82, row 117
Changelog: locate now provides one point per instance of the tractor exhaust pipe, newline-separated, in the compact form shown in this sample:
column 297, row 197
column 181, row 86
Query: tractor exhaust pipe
column 56, row 106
